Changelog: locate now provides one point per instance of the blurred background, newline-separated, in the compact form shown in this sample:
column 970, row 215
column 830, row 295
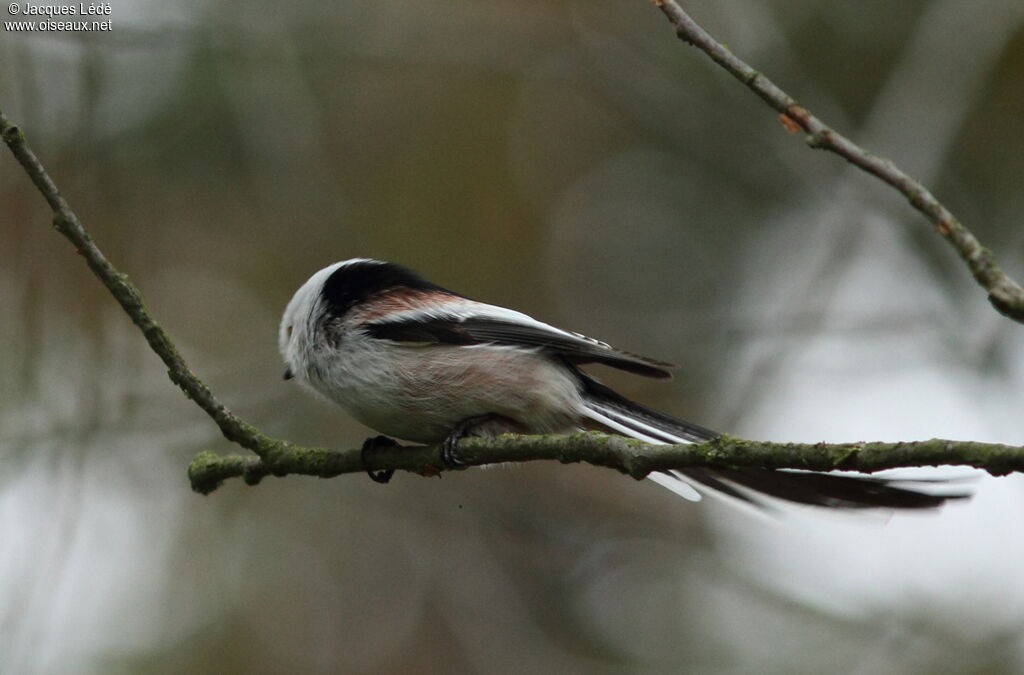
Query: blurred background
column 571, row 159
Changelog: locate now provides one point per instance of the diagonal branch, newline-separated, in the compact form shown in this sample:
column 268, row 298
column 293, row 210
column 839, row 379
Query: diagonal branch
column 127, row 294
column 1003, row 292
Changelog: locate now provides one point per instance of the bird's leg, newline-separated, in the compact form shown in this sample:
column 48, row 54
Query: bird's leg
column 449, row 456
column 369, row 445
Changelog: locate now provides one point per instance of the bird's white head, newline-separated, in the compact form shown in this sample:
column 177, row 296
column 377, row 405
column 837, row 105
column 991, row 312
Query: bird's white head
column 304, row 311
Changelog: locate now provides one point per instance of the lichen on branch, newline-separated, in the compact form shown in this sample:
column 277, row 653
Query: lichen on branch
column 626, row 455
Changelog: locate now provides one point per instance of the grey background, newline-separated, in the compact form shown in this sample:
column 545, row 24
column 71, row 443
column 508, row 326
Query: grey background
column 569, row 159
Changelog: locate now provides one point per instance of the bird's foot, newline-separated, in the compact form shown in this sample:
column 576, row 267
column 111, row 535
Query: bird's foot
column 449, row 446
column 369, row 446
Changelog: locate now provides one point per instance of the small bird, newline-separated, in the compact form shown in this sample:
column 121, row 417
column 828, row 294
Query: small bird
column 416, row 361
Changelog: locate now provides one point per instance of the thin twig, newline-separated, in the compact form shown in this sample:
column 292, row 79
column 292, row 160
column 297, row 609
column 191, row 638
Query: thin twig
column 127, row 294
column 1003, row 292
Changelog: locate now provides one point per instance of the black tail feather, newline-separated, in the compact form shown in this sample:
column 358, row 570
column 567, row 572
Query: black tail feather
column 831, row 490
column 747, row 484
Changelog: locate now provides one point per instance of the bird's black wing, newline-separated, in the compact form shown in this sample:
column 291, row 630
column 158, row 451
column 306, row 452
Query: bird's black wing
column 477, row 330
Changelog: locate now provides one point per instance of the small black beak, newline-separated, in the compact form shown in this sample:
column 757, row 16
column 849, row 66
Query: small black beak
column 288, row 374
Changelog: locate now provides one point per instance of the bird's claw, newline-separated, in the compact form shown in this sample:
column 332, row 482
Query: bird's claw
column 370, row 445
column 449, row 446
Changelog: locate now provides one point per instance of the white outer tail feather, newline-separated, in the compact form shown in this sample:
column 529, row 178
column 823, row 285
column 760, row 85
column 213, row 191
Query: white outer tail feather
column 673, row 481
column 615, row 414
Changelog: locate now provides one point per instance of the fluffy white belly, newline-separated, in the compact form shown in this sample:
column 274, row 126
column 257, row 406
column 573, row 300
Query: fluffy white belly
column 420, row 393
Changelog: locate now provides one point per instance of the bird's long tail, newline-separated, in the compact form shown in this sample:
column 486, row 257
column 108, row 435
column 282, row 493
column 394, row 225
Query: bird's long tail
column 617, row 413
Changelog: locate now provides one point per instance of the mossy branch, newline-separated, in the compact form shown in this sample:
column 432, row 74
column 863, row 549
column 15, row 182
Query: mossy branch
column 628, row 456
column 1004, row 293
column 128, row 296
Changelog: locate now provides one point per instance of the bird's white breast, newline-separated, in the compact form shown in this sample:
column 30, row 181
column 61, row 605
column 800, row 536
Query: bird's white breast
column 421, row 392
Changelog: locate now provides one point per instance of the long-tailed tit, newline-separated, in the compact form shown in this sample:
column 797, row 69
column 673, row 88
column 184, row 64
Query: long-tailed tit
column 422, row 363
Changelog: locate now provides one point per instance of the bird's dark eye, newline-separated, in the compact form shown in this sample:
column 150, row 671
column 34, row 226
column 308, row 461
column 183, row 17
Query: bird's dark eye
column 289, row 332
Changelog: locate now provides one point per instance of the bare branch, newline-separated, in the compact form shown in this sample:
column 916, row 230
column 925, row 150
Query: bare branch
column 625, row 455
column 1003, row 292
column 125, row 292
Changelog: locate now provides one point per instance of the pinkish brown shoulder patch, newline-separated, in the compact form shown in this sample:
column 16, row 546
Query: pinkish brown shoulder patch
column 398, row 300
